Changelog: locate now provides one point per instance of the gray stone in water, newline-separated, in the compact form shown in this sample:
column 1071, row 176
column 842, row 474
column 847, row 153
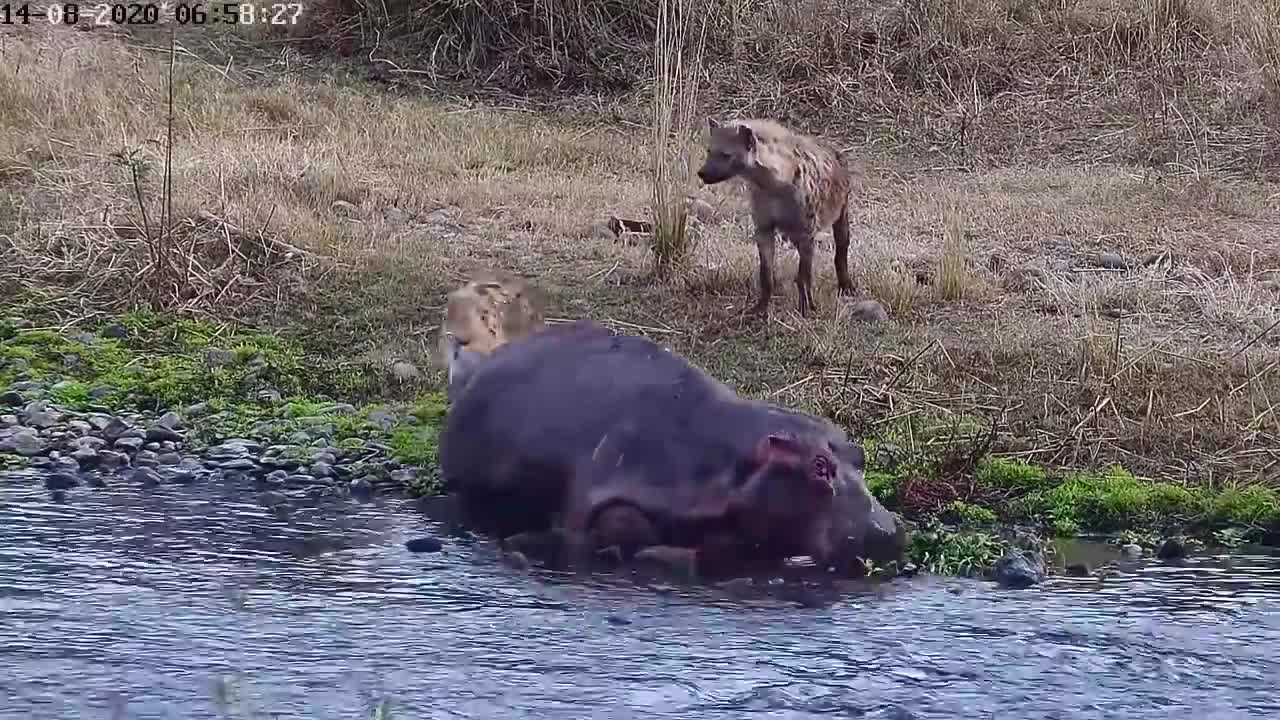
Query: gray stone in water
column 8, row 421
column 11, row 398
column 111, row 460
column 1172, row 549
column 145, row 458
column 242, row 464
column 426, row 544
column 162, row 433
column 362, row 488
column 25, row 442
column 169, row 446
column 169, row 458
column 152, row 446
column 277, row 477
column 129, row 444
column 180, row 477
column 1020, row 569
column 61, row 481
column 1131, row 550
column 300, row 480
column 85, row 457
column 96, row 481
column 146, row 477
column 322, row 470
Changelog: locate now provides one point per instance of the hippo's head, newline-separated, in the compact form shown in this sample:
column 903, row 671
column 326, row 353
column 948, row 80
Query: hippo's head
column 810, row 486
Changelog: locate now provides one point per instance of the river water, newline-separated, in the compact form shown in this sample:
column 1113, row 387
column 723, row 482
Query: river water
column 202, row 602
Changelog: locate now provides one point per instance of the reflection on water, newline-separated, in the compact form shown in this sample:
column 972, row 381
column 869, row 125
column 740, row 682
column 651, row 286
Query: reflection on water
column 155, row 604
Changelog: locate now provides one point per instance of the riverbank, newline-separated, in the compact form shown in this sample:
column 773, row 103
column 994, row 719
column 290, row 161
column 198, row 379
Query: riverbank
column 1051, row 313
column 146, row 400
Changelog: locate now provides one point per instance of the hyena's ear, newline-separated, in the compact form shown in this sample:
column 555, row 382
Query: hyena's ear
column 747, row 136
column 713, row 123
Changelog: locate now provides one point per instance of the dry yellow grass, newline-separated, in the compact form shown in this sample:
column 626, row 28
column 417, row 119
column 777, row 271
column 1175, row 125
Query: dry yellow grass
column 1166, row 367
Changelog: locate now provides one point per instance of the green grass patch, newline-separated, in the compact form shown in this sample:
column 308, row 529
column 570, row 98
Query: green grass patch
column 228, row 381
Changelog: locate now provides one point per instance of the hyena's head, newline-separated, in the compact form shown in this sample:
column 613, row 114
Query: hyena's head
column 729, row 152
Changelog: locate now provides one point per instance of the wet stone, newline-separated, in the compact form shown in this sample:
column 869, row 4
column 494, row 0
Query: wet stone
column 161, row 433
column 426, row 544
column 11, row 398
column 85, row 457
column 153, row 446
column 8, row 421
column 131, row 444
column 241, row 464
column 322, row 470
column 1077, row 570
column 25, row 442
column 300, row 480
column 1172, row 549
column 61, row 481
column 111, row 460
column 169, row 458
column 145, row 458
column 146, row 477
column 1131, row 550
column 1020, row 569
column 362, row 488
column 114, row 429
column 80, row 427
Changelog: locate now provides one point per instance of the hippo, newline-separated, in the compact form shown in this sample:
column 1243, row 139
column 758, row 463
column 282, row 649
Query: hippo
column 614, row 441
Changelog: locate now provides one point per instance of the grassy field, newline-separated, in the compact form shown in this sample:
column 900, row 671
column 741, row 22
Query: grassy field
column 1087, row 257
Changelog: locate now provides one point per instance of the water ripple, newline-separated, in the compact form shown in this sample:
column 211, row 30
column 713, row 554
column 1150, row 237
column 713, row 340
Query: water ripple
column 141, row 601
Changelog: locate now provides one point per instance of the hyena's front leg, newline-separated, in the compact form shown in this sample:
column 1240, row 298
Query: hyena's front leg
column 804, row 273
column 766, row 243
column 840, row 231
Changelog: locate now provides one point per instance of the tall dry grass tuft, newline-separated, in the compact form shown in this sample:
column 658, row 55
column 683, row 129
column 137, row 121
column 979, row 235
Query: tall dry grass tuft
column 955, row 280
column 674, row 110
column 1260, row 33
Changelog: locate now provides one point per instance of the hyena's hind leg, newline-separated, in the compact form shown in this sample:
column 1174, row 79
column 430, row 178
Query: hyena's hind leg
column 804, row 243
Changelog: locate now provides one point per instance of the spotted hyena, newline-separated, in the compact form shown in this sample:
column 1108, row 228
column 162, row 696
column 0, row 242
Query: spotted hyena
column 799, row 185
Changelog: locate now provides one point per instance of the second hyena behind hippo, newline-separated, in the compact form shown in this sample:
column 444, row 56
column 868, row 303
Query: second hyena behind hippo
column 799, row 186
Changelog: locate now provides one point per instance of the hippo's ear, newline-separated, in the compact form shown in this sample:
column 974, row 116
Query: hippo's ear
column 775, row 447
column 747, row 137
column 857, row 458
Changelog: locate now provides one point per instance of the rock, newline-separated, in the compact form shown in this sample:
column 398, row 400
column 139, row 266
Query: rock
column 270, row 397
column 867, row 311
column 85, row 457
column 1077, row 570
column 96, row 481
column 326, row 457
column 11, row 398
column 61, row 481
column 322, row 470
column 146, row 477
column 682, row 561
column 217, row 357
column 404, row 371
column 170, row 420
column 111, row 460
column 169, row 458
column 426, row 544
column 80, row 427
column 361, row 488
column 1131, row 550
column 8, row 421
column 383, row 419
column 90, row 442
column 1172, row 549
column 38, row 415
column 240, row 463
column 25, row 442
column 152, row 446
column 1111, row 261
column 162, row 433
column 1020, row 569
column 27, row 386
column 338, row 409
column 100, row 392
column 58, row 496
column 516, row 559
column 128, row 444
column 115, row 332
column 300, row 480
column 277, row 477
column 197, row 410
column 115, row 429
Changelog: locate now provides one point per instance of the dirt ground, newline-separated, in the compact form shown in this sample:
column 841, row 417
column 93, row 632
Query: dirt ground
column 1096, row 312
